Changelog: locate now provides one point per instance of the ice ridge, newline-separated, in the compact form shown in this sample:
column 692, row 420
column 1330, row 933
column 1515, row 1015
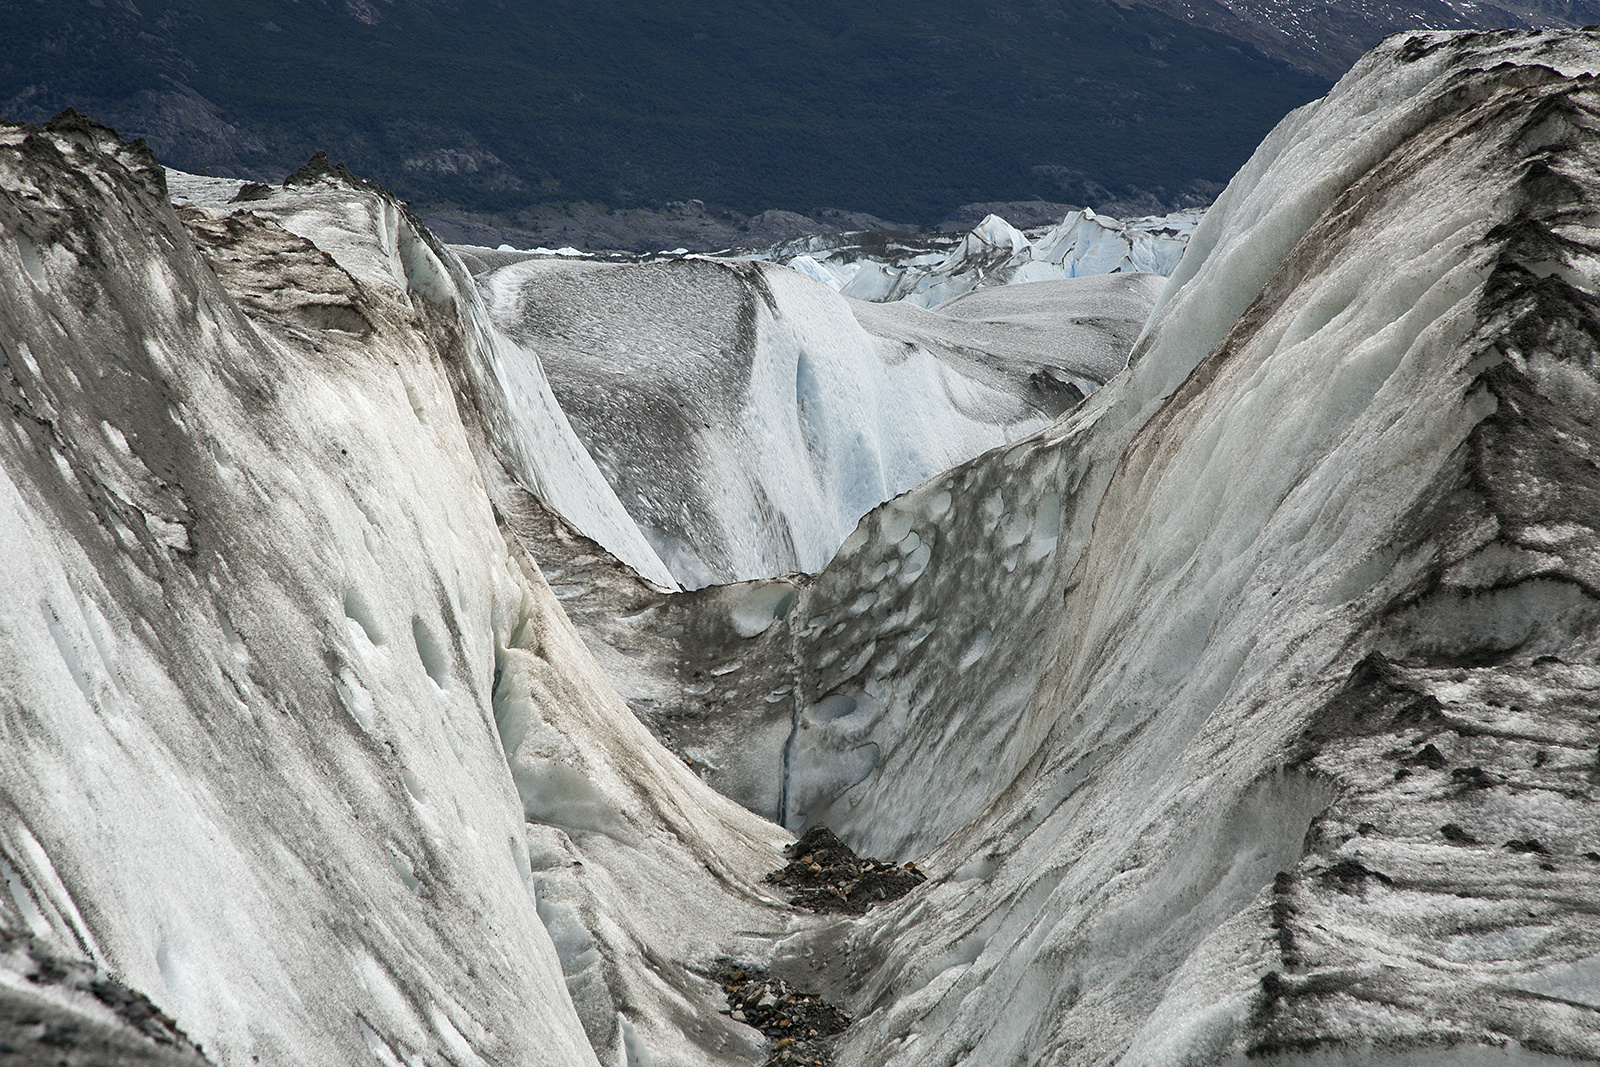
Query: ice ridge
column 298, row 741
column 924, row 271
column 1275, row 650
column 747, row 417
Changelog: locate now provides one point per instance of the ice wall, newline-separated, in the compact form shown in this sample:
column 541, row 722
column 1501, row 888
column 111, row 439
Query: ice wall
column 298, row 741
column 993, row 254
column 369, row 235
column 1246, row 713
column 1216, row 747
column 747, row 418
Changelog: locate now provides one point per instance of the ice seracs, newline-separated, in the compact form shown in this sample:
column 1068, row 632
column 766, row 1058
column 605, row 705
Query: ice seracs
column 926, row 272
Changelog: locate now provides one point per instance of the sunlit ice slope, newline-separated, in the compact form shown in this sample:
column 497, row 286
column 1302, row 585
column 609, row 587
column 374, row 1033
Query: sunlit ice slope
column 747, row 416
column 294, row 736
column 1250, row 710
column 360, row 225
column 994, row 253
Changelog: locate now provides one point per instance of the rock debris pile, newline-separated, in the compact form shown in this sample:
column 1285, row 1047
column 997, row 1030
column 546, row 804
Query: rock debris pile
column 799, row 1023
column 827, row 875
column 53, row 1011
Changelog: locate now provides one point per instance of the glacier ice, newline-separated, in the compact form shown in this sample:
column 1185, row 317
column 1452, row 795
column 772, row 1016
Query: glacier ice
column 1252, row 521
column 1244, row 712
column 56, row 1008
column 370, row 238
column 278, row 692
column 747, row 417
column 1187, row 582
column 929, row 272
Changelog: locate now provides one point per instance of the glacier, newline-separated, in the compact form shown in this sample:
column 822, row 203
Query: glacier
column 929, row 270
column 747, row 417
column 1241, row 710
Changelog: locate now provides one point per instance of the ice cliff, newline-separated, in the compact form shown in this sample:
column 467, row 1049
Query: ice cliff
column 1246, row 711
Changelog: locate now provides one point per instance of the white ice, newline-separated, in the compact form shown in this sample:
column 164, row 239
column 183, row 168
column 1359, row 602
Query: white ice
column 748, row 416
column 278, row 772
column 995, row 253
column 372, row 239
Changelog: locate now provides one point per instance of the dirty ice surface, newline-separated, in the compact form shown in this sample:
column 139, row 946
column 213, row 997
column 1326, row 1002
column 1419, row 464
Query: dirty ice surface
column 297, row 739
column 1258, row 693
column 747, row 417
column 370, row 239
column 1341, row 508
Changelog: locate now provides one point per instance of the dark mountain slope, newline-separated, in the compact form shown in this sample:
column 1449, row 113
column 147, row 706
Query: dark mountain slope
column 1325, row 38
column 903, row 109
